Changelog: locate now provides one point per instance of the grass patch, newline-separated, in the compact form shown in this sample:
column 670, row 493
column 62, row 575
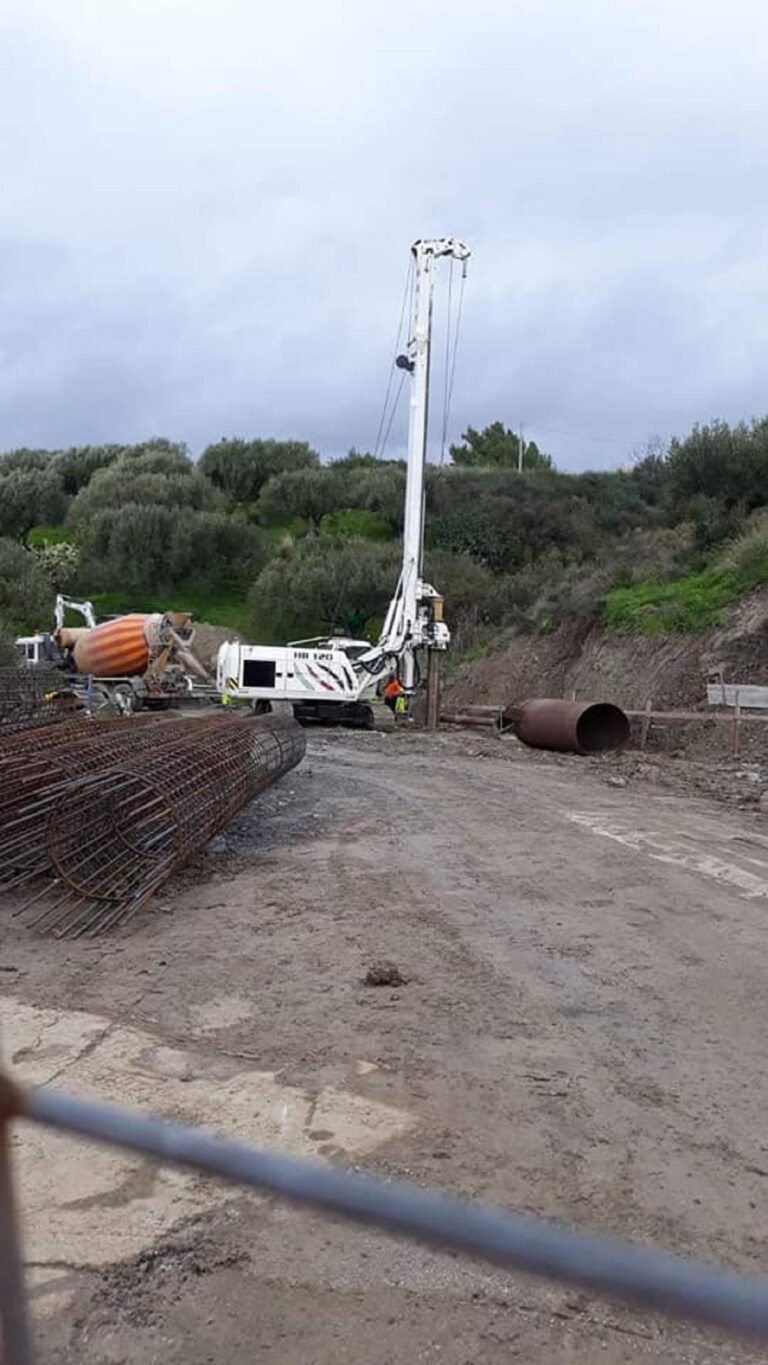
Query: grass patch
column 217, row 608
column 684, row 606
column 353, row 523
column 476, row 651
column 50, row 535
column 294, row 528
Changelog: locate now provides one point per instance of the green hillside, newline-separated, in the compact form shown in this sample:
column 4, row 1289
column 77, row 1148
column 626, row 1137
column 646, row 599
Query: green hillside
column 263, row 536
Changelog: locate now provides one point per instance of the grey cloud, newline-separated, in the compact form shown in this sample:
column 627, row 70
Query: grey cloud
column 207, row 210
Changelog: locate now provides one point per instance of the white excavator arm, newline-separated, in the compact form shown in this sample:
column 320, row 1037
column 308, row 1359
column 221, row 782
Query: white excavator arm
column 65, row 604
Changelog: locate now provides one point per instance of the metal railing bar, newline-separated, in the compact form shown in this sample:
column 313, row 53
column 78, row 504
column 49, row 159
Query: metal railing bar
column 15, row 1335
column 643, row 1277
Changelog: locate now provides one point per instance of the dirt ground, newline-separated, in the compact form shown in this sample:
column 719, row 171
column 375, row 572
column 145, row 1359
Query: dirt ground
column 580, row 1036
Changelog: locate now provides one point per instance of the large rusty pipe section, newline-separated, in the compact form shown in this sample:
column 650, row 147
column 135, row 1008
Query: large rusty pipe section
column 569, row 727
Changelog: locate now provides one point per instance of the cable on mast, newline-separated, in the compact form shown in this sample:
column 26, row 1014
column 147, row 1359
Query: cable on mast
column 407, row 294
column 450, row 378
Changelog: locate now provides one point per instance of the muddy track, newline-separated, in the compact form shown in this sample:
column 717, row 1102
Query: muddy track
column 580, row 1036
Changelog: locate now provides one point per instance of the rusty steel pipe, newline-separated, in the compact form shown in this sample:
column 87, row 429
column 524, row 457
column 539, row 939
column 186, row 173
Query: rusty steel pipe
column 569, row 727
column 475, row 716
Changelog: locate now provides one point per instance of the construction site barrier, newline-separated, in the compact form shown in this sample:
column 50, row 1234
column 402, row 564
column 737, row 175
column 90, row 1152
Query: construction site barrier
column 643, row 1277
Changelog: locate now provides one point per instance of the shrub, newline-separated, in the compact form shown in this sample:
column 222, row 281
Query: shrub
column 59, row 562
column 303, row 494
column 153, row 549
column 497, row 446
column 241, row 468
column 314, row 493
column 25, row 459
column 131, row 482
column 77, row 465
column 726, row 464
column 215, row 551
column 25, row 590
column 322, row 586
column 29, row 497
column 469, row 589
column 747, row 555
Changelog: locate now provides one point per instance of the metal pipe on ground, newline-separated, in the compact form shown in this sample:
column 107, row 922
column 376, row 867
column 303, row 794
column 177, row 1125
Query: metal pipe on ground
column 569, row 727
column 484, row 717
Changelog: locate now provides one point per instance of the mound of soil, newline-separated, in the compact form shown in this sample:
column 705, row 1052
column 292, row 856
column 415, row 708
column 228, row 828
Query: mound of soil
column 208, row 640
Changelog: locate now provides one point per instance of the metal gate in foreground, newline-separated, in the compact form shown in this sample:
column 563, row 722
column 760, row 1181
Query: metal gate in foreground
column 643, row 1278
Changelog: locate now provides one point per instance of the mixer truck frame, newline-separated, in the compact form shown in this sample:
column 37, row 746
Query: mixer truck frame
column 334, row 678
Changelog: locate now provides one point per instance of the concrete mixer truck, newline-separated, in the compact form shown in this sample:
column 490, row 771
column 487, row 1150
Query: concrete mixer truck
column 127, row 662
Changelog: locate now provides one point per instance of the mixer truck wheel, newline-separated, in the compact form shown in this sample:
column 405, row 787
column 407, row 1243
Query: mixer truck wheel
column 124, row 699
column 101, row 699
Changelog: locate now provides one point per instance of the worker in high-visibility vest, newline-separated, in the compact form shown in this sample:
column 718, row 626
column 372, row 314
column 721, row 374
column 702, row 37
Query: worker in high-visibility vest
column 394, row 696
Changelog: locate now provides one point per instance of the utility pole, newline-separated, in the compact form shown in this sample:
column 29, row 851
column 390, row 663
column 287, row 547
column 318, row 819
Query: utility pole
column 520, row 450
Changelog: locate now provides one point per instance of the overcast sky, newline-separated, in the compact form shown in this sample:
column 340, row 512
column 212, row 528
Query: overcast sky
column 206, row 208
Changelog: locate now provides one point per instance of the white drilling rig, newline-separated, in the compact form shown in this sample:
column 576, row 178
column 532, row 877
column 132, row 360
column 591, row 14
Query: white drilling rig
column 333, row 678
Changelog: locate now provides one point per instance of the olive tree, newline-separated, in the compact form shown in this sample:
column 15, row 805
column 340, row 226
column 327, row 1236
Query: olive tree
column 241, row 468
column 25, row 590
column 30, row 497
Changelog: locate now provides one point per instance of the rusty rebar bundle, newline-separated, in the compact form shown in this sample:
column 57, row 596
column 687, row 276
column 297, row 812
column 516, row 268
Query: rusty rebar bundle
column 81, row 727
column 91, row 840
column 33, row 697
column 36, row 768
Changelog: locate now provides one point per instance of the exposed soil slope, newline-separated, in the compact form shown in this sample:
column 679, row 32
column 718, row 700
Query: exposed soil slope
column 628, row 670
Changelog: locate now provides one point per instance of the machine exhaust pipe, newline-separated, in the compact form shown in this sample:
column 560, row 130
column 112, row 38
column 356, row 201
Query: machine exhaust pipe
column 569, row 727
